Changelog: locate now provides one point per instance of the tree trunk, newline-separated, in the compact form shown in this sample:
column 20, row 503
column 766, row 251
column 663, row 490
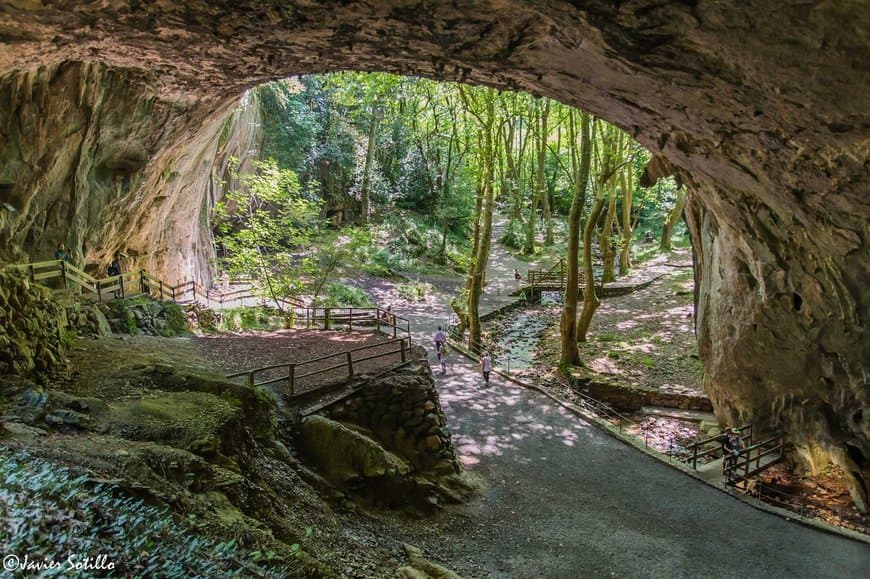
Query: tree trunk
column 590, row 299
column 605, row 239
column 627, row 193
column 673, row 217
column 570, row 353
column 540, row 184
column 370, row 155
column 481, row 258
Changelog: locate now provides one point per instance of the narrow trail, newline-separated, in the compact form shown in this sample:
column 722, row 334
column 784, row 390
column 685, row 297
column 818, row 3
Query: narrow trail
column 563, row 499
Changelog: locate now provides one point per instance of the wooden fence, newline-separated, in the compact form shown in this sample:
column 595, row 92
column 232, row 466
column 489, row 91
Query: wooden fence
column 324, row 370
column 139, row 282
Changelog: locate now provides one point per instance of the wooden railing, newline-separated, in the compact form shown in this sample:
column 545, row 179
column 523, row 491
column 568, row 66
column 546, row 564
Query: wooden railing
column 343, row 365
column 699, row 451
column 351, row 318
column 555, row 277
column 749, row 462
column 136, row 283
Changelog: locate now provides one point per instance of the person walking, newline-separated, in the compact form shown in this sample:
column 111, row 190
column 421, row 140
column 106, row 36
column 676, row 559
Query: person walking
column 442, row 359
column 731, row 447
column 440, row 339
column 486, row 366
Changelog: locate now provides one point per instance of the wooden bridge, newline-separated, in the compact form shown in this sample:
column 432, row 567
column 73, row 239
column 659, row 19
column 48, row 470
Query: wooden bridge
column 307, row 376
column 555, row 279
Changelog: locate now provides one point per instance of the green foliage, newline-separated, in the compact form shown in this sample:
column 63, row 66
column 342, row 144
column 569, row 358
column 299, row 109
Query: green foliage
column 514, row 235
column 248, row 318
column 341, row 295
column 68, row 338
column 176, row 320
column 415, row 291
column 55, row 513
column 266, row 226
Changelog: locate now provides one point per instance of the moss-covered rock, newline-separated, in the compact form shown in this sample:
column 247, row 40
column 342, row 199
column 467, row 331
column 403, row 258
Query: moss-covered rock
column 344, row 454
column 32, row 326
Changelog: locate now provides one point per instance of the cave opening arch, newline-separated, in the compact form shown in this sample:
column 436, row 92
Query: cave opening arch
column 760, row 107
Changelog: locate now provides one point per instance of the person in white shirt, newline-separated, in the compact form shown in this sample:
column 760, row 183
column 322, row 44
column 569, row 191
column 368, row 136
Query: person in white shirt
column 486, row 366
column 440, row 340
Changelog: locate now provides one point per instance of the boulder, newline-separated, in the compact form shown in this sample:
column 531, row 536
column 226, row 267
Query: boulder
column 343, row 454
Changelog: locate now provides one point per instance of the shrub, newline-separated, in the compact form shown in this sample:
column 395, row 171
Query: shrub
column 341, row 295
column 415, row 291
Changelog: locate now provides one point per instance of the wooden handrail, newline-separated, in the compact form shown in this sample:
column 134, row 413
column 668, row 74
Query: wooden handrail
column 292, row 375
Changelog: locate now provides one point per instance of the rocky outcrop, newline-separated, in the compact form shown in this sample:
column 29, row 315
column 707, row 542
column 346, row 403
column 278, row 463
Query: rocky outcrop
column 32, row 327
column 760, row 106
column 131, row 171
column 146, row 316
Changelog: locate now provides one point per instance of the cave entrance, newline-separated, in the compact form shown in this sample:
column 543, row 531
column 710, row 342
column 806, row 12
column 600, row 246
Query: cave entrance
column 763, row 112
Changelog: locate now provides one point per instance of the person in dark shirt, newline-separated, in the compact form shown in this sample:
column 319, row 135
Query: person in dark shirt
column 114, row 267
column 61, row 253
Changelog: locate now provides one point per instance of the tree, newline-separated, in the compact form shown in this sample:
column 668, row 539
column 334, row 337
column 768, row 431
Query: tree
column 266, row 225
column 674, row 215
column 607, row 149
column 580, row 165
column 480, row 104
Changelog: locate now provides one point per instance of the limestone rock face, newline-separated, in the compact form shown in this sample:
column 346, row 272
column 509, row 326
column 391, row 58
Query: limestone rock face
column 760, row 105
column 93, row 158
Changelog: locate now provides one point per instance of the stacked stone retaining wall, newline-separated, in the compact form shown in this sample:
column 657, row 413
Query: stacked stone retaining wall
column 402, row 409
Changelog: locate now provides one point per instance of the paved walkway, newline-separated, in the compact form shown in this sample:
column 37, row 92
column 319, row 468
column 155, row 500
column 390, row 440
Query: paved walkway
column 563, row 499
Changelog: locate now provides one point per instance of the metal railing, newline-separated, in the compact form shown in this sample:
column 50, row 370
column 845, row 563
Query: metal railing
column 346, row 362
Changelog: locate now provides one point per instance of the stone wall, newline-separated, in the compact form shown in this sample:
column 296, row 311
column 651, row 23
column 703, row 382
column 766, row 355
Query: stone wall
column 403, row 411
column 627, row 399
column 32, row 328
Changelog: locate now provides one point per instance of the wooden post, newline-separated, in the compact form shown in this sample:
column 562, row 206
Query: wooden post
column 349, row 364
column 350, row 320
column 161, row 289
column 325, row 318
column 99, row 291
column 394, row 328
column 63, row 273
column 142, row 281
column 402, row 348
column 695, row 456
column 32, row 273
column 291, row 378
column 251, row 378
column 173, row 293
column 121, row 282
column 378, row 319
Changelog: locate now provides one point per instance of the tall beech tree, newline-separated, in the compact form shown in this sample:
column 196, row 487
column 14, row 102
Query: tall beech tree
column 580, row 143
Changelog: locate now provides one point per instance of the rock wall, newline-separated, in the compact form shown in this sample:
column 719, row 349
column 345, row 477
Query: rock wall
column 31, row 328
column 760, row 104
column 93, row 158
column 403, row 411
column 388, row 442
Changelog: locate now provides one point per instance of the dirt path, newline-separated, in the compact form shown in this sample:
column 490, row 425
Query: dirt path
column 562, row 499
